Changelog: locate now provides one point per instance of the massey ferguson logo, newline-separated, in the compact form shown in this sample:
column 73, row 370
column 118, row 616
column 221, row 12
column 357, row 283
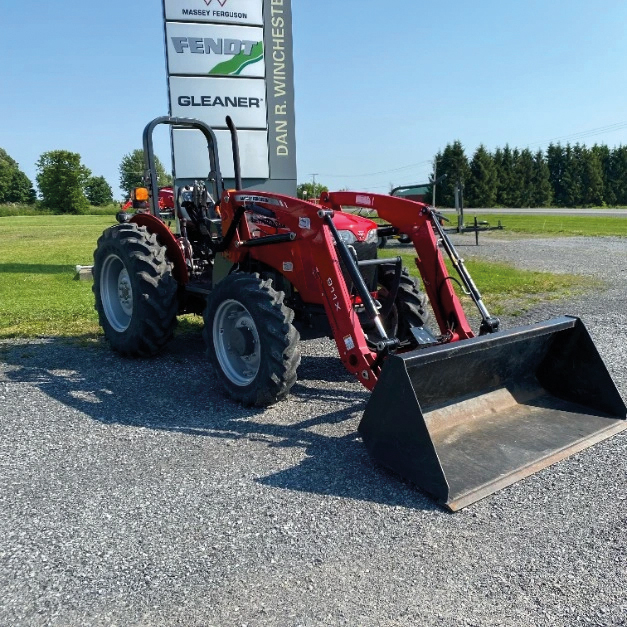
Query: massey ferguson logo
column 215, row 12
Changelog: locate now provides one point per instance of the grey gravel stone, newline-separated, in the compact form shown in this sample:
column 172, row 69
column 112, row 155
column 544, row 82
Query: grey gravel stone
column 133, row 493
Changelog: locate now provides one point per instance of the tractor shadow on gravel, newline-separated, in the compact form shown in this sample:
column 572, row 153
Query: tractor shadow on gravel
column 175, row 392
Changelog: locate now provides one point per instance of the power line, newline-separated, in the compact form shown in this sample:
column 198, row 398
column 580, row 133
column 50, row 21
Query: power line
column 370, row 189
column 610, row 128
column 405, row 167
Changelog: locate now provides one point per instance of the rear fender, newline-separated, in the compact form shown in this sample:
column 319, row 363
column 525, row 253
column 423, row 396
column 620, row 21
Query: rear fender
column 167, row 239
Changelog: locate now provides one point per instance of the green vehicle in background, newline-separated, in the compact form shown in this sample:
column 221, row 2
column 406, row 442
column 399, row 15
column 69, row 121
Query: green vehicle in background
column 422, row 192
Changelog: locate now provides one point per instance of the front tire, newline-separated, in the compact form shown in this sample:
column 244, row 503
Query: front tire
column 136, row 294
column 250, row 339
column 410, row 306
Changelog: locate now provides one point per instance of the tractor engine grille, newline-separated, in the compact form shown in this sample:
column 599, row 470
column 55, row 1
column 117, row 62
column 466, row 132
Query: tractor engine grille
column 364, row 251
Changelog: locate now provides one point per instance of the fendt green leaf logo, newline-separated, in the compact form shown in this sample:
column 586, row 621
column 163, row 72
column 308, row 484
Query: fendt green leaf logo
column 234, row 66
column 242, row 52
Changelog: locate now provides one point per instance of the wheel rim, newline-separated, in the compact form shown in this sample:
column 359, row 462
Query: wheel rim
column 236, row 343
column 116, row 293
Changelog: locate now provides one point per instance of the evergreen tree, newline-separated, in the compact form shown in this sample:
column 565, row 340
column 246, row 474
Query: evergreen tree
column 604, row 155
column 481, row 186
column 436, row 188
column 505, row 192
column 565, row 176
column 61, row 180
column 541, row 184
column 523, row 177
column 15, row 186
column 556, row 162
column 98, row 191
column 454, row 164
column 572, row 178
column 497, row 159
column 591, row 179
column 132, row 172
column 619, row 174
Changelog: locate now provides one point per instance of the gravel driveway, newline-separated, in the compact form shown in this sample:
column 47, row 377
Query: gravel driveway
column 134, row 493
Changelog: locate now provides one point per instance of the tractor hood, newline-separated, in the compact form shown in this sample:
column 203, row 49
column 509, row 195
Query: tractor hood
column 358, row 226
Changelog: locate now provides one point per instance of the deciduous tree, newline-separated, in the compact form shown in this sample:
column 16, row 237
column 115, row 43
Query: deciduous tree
column 15, row 186
column 132, row 171
column 61, row 179
column 309, row 191
column 98, row 191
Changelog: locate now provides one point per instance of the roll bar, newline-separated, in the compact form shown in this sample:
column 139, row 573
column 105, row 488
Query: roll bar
column 215, row 174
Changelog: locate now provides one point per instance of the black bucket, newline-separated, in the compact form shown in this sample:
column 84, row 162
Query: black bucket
column 466, row 419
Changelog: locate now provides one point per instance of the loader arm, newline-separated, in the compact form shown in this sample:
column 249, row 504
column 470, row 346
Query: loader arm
column 413, row 218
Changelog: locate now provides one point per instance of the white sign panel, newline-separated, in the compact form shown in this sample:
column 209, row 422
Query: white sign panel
column 191, row 159
column 212, row 99
column 215, row 50
column 248, row 12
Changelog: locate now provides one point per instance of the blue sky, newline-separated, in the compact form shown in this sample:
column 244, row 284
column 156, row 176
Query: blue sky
column 380, row 86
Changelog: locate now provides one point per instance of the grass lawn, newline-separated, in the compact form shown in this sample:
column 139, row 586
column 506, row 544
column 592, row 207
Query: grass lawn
column 507, row 290
column 38, row 293
column 536, row 224
column 39, row 296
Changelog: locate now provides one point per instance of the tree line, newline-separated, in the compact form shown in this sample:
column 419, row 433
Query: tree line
column 66, row 185
column 561, row 176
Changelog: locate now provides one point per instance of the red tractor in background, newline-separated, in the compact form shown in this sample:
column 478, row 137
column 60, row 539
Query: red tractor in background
column 459, row 415
column 166, row 201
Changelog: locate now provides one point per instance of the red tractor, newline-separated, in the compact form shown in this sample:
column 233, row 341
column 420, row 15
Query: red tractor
column 459, row 415
column 166, row 201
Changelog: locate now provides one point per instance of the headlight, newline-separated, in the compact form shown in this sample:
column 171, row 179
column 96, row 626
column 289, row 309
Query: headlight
column 372, row 237
column 347, row 237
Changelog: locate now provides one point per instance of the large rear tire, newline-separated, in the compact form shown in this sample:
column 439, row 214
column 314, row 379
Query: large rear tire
column 250, row 339
column 136, row 294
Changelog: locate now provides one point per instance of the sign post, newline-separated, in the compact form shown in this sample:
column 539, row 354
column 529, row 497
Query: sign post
column 233, row 57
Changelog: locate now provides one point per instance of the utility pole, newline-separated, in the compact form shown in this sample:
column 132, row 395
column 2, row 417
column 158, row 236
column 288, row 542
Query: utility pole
column 313, row 191
column 433, row 180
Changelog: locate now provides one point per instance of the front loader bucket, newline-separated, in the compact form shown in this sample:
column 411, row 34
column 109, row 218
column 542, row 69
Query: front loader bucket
column 466, row 419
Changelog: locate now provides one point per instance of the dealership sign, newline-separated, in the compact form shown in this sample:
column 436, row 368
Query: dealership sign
column 192, row 159
column 245, row 12
column 233, row 57
column 215, row 50
column 212, row 99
